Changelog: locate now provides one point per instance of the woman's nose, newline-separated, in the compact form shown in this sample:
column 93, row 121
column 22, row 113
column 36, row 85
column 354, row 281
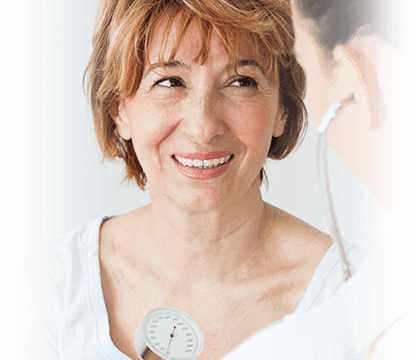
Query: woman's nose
column 203, row 119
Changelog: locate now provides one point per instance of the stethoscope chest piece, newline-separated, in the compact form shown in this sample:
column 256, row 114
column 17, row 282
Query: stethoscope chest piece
column 169, row 334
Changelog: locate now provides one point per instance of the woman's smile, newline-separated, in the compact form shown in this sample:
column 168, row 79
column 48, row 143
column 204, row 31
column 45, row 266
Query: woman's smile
column 203, row 166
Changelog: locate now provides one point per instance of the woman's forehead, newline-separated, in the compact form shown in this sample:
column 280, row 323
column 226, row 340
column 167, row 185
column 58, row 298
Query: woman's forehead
column 167, row 39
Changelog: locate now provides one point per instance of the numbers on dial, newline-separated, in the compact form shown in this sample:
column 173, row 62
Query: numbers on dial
column 172, row 335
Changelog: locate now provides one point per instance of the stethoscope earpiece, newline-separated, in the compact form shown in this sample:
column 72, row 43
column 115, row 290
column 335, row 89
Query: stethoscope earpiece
column 328, row 116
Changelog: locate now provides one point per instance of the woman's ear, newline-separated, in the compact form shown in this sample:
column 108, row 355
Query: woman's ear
column 280, row 122
column 118, row 113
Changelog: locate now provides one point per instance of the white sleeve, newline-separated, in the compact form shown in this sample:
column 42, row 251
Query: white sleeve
column 50, row 283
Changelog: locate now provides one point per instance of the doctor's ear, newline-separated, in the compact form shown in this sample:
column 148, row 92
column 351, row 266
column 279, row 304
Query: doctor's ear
column 348, row 61
column 364, row 67
column 119, row 116
column 343, row 56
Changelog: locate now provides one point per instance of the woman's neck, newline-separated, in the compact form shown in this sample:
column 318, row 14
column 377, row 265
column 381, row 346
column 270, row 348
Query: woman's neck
column 221, row 245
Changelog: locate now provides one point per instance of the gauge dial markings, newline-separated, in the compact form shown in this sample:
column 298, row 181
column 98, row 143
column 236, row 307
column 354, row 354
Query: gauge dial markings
column 171, row 334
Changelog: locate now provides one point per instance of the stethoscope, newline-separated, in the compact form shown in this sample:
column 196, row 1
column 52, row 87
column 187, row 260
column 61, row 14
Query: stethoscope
column 322, row 158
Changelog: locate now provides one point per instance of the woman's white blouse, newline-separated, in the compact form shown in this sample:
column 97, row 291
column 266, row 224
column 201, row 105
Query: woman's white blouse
column 73, row 316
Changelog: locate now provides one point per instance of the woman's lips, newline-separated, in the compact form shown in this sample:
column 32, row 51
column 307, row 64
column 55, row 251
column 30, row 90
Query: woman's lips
column 203, row 166
column 204, row 156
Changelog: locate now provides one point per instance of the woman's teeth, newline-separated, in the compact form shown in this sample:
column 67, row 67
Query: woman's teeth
column 203, row 164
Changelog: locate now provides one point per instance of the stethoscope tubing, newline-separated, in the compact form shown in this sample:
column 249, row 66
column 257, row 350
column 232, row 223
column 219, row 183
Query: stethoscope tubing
column 322, row 164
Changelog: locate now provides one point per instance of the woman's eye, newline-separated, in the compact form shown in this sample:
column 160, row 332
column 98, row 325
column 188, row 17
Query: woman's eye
column 169, row 82
column 245, row 82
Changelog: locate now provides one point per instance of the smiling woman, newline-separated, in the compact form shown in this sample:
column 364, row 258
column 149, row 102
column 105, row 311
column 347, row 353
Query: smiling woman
column 201, row 113
column 121, row 54
column 193, row 96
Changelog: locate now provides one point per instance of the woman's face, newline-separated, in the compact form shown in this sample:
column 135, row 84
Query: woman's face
column 187, row 115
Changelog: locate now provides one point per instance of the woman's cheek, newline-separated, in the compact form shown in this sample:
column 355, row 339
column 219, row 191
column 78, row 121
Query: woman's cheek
column 253, row 124
column 156, row 120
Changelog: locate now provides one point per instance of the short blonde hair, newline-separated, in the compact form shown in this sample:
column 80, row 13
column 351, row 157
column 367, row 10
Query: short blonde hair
column 121, row 38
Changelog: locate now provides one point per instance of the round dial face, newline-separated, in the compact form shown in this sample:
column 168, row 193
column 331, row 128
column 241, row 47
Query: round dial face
column 171, row 334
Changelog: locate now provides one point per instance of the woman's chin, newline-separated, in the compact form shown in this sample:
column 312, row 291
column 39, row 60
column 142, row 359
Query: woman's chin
column 202, row 200
column 190, row 199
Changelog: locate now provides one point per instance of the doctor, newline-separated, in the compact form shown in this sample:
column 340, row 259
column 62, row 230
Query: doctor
column 354, row 64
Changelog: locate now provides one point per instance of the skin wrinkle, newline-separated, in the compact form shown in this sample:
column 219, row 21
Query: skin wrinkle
column 244, row 270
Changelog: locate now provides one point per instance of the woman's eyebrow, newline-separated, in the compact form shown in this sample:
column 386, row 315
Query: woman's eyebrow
column 168, row 64
column 177, row 63
column 250, row 62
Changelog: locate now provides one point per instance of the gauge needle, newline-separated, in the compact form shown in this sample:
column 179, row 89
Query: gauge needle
column 171, row 337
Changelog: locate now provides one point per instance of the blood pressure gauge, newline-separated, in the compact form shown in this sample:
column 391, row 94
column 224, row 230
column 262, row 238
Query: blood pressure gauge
column 169, row 334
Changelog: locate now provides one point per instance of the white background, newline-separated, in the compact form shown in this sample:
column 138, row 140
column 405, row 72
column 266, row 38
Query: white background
column 52, row 179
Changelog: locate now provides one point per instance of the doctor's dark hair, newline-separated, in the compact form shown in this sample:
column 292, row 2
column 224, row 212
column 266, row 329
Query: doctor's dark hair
column 121, row 39
column 338, row 20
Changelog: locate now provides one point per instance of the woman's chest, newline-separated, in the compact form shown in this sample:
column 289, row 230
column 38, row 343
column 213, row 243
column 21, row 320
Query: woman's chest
column 220, row 336
column 227, row 313
column 225, row 321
